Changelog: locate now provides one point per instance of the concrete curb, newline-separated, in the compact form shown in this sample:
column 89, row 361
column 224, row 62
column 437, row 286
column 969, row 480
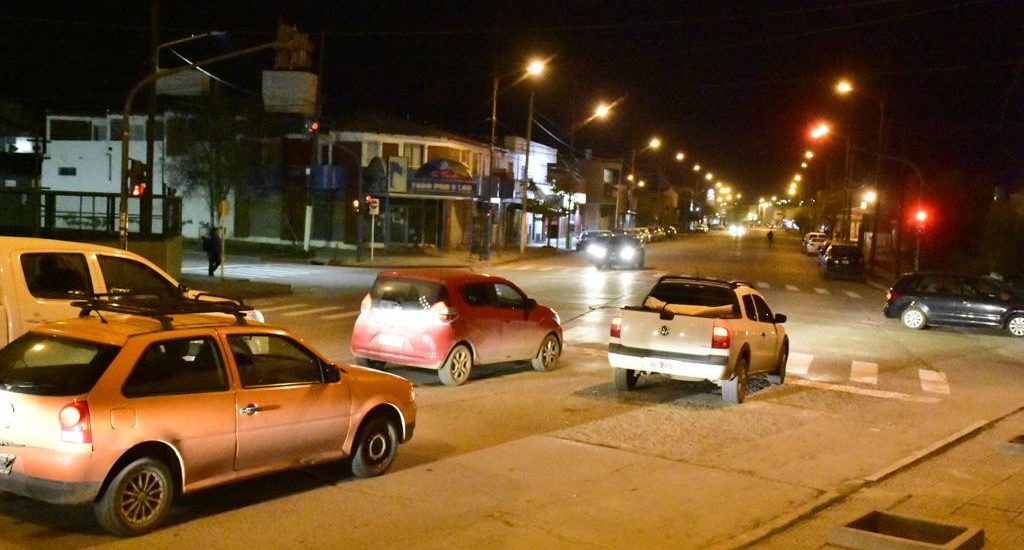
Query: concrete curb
column 829, row 498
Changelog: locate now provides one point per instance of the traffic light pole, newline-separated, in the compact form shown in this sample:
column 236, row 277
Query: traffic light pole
column 126, row 122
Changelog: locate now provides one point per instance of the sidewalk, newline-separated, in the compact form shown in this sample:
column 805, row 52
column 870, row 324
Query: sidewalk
column 974, row 479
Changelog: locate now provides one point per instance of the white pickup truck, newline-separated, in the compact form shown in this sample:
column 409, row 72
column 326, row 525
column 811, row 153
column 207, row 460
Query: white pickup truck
column 699, row 329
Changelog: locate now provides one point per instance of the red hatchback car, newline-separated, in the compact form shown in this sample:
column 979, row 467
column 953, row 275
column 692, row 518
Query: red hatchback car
column 451, row 319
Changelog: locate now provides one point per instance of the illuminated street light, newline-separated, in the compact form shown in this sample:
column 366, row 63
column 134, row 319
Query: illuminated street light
column 696, row 168
column 844, row 87
column 870, row 197
column 655, row 143
column 809, row 155
column 797, row 177
column 630, row 177
column 718, row 184
column 641, row 183
column 820, row 131
column 535, row 67
column 792, row 191
column 602, row 110
column 774, row 198
column 709, row 176
column 680, row 156
column 803, row 165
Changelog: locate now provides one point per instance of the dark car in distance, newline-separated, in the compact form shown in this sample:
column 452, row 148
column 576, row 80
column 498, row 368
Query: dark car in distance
column 842, row 260
column 622, row 250
column 922, row 299
column 589, row 235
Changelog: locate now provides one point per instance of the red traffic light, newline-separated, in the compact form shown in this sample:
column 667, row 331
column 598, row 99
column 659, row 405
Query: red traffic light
column 368, row 199
column 314, row 126
column 921, row 216
column 138, row 189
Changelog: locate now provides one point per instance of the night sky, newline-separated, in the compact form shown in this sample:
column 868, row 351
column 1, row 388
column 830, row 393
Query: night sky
column 733, row 84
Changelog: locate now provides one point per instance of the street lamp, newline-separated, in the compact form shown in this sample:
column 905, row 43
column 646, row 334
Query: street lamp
column 696, row 168
column 680, row 156
column 654, row 143
column 535, row 68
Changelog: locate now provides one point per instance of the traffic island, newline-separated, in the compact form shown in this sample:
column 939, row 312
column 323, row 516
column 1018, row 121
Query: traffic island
column 879, row 530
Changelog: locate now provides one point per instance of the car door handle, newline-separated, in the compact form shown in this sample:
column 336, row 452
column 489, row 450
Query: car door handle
column 250, row 409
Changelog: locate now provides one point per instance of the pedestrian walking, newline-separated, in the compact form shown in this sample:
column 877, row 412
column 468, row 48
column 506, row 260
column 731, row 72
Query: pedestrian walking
column 212, row 247
column 771, row 237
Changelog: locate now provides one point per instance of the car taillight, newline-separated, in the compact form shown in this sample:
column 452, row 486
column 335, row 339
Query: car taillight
column 720, row 337
column 616, row 328
column 889, row 295
column 75, row 425
column 441, row 310
column 366, row 304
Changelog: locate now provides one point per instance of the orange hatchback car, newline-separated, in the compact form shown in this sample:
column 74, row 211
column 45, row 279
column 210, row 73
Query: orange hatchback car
column 135, row 402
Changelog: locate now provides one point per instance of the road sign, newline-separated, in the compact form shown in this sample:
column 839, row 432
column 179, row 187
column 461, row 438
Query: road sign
column 374, row 207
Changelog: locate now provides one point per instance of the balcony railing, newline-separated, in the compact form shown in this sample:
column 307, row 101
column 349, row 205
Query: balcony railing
column 42, row 213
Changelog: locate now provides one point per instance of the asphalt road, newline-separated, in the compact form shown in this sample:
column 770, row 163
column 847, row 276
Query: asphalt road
column 518, row 458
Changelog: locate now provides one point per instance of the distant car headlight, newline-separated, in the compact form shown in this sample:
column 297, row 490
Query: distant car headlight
column 737, row 230
column 597, row 251
column 627, row 253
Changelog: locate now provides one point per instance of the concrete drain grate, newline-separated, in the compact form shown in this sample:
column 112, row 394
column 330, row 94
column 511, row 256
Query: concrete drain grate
column 1013, row 447
column 887, row 531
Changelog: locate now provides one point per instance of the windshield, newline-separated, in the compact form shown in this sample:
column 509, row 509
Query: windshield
column 394, row 293
column 48, row 365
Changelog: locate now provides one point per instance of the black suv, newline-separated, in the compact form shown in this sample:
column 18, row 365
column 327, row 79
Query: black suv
column 842, row 260
column 616, row 250
column 921, row 299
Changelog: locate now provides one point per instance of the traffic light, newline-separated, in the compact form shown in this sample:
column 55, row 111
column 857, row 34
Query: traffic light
column 294, row 49
column 313, row 126
column 921, row 216
column 138, row 177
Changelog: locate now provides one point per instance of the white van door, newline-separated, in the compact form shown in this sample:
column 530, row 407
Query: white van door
column 46, row 284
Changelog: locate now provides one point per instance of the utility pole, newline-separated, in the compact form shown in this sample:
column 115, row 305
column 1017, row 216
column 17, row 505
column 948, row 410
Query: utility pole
column 526, row 177
column 146, row 202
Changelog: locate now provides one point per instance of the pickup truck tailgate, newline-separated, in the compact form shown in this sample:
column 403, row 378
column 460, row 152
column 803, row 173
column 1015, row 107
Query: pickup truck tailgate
column 644, row 329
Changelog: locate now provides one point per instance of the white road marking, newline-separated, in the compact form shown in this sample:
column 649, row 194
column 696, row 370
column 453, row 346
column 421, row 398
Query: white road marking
column 282, row 308
column 852, row 294
column 762, row 284
column 821, row 290
column 792, row 288
column 862, row 391
column 799, row 363
column 864, row 372
column 933, row 381
column 548, row 268
column 310, row 311
column 340, row 315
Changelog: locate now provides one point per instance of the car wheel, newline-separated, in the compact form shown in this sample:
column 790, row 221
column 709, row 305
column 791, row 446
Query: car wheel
column 735, row 389
column 625, row 379
column 1015, row 324
column 456, row 368
column 547, row 355
column 375, row 447
column 137, row 499
column 779, row 376
column 914, row 318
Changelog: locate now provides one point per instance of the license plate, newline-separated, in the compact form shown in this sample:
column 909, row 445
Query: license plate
column 391, row 340
column 6, row 463
column 844, row 261
column 662, row 364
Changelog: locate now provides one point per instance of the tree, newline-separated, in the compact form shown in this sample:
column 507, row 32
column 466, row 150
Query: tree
column 215, row 150
column 1002, row 242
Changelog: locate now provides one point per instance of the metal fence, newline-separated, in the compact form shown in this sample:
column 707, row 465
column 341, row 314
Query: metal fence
column 43, row 213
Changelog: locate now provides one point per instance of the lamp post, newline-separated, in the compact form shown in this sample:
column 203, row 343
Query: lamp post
column 844, row 87
column 654, row 143
column 535, row 68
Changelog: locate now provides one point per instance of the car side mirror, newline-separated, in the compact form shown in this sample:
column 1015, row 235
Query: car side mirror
column 779, row 318
column 332, row 374
column 182, row 290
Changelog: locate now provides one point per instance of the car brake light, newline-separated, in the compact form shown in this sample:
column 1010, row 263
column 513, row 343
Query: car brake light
column 616, row 328
column 720, row 337
column 75, row 425
column 889, row 295
column 441, row 310
column 366, row 304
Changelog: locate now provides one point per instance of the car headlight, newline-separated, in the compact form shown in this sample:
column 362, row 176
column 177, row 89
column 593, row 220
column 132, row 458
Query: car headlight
column 597, row 251
column 627, row 252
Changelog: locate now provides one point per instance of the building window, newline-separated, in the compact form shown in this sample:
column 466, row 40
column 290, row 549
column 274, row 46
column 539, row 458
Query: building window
column 67, row 171
column 415, row 154
column 70, row 130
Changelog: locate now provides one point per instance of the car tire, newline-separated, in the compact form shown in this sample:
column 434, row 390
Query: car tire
column 735, row 389
column 375, row 447
column 1015, row 324
column 914, row 318
column 548, row 354
column 779, row 376
column 137, row 498
column 625, row 379
column 457, row 366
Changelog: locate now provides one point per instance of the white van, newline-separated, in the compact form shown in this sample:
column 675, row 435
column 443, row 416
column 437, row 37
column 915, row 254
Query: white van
column 39, row 278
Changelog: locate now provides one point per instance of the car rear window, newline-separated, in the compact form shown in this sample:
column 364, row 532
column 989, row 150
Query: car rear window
column 845, row 251
column 695, row 294
column 402, row 293
column 47, row 365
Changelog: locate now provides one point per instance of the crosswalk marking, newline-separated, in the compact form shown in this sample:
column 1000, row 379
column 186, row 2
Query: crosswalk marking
column 864, row 372
column 933, row 381
column 547, row 268
column 762, row 284
column 852, row 294
column 870, row 392
column 340, row 315
column 821, row 290
column 792, row 288
column 310, row 311
column 282, row 308
column 799, row 363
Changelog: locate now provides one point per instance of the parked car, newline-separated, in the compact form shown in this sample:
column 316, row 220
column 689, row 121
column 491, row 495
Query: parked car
column 39, row 278
column 449, row 320
column 588, row 235
column 145, row 400
column 842, row 260
column 923, row 299
column 616, row 251
column 699, row 329
column 811, row 235
column 815, row 245
column 703, row 228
